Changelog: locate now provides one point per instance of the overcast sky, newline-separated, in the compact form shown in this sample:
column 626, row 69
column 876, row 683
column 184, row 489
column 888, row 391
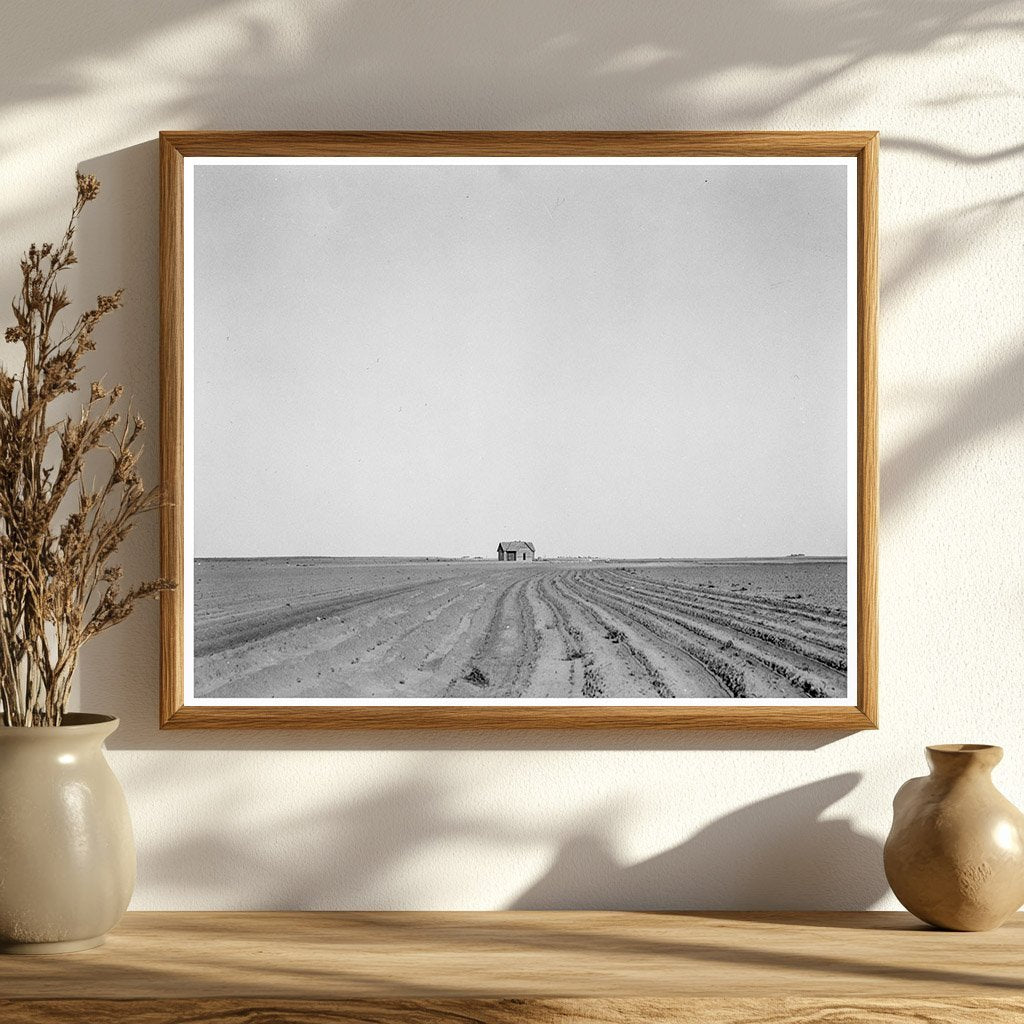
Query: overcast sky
column 623, row 361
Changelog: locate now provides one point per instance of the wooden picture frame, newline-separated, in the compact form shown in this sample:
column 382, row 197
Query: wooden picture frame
column 178, row 148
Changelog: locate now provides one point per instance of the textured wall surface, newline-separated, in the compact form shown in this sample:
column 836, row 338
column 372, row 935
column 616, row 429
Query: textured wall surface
column 336, row 820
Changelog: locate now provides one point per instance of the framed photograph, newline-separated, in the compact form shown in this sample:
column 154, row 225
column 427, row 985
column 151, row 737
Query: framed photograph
column 503, row 429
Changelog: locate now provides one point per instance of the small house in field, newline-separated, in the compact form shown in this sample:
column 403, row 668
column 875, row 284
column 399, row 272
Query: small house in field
column 516, row 551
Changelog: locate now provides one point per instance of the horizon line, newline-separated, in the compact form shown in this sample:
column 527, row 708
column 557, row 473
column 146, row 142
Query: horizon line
column 546, row 558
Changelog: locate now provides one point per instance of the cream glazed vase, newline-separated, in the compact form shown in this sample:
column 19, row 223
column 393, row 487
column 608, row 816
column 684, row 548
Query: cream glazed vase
column 67, row 856
column 955, row 855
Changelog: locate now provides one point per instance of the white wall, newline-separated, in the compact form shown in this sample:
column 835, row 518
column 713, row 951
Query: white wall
column 337, row 820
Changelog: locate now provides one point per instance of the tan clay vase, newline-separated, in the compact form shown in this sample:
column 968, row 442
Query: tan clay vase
column 67, row 857
column 955, row 855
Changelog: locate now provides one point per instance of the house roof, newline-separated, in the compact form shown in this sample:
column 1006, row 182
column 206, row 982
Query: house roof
column 516, row 545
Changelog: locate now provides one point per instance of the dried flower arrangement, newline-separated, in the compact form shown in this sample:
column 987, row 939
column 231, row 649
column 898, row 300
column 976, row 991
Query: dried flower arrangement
column 58, row 588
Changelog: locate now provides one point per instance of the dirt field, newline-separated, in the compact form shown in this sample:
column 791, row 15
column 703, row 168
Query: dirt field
column 301, row 627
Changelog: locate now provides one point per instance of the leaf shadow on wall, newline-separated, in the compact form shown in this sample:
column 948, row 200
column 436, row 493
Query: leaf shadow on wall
column 777, row 853
column 200, row 63
column 992, row 402
column 405, row 843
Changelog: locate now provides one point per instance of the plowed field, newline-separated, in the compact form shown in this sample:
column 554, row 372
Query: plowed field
column 382, row 628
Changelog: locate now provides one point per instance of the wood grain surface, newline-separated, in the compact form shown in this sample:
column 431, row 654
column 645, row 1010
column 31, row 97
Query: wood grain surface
column 421, row 963
column 524, row 966
column 176, row 146
column 515, row 1011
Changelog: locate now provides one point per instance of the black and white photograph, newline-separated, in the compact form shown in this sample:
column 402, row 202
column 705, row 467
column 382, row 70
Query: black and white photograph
column 520, row 430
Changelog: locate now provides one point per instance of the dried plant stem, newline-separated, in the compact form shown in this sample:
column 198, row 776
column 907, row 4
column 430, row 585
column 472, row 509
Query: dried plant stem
column 58, row 588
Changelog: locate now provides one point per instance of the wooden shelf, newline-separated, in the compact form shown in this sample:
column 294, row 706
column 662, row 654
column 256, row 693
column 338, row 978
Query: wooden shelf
column 499, row 968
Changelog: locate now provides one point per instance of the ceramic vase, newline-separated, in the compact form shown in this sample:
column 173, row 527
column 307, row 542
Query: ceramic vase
column 67, row 855
column 955, row 855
